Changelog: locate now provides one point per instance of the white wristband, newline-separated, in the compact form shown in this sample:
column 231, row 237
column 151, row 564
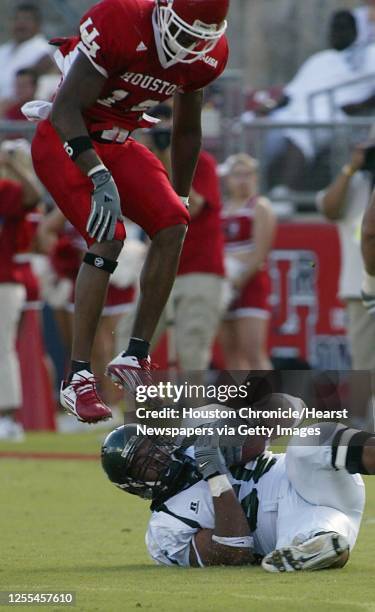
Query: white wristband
column 368, row 284
column 96, row 169
column 219, row 484
column 234, row 542
column 185, row 200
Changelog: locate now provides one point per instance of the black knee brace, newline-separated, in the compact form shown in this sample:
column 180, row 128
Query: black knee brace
column 99, row 262
column 347, row 450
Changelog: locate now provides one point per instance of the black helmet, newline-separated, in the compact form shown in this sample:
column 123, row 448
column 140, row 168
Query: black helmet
column 127, row 467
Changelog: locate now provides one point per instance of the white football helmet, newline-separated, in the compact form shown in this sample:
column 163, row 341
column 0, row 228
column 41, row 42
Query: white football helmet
column 186, row 30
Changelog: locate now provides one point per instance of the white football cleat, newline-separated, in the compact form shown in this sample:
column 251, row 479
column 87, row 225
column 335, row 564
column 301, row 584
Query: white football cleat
column 319, row 552
column 80, row 398
column 130, row 372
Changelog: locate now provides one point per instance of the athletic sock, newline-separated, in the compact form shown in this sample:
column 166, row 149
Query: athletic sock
column 137, row 348
column 77, row 366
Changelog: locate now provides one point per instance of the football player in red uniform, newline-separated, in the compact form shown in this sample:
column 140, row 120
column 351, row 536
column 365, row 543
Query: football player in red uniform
column 130, row 55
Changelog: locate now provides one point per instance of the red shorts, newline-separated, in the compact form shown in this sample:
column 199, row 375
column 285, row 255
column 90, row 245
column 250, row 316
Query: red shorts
column 253, row 300
column 146, row 194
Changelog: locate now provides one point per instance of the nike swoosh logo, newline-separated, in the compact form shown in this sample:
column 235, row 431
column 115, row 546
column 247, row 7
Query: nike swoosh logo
column 305, row 559
column 202, row 465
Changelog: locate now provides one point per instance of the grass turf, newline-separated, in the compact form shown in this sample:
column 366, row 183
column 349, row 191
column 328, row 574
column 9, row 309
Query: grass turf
column 65, row 528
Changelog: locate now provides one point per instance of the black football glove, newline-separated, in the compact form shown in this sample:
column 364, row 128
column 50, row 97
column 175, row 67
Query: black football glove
column 105, row 207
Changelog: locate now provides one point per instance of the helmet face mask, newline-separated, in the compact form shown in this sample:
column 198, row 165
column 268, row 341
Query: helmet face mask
column 177, row 40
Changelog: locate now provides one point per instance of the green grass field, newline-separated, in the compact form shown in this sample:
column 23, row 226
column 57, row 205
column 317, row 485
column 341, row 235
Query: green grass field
column 65, row 528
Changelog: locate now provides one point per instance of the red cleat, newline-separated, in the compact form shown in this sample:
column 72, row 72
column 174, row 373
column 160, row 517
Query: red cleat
column 80, row 398
column 130, row 372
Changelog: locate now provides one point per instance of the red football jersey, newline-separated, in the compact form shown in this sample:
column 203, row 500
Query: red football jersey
column 203, row 250
column 117, row 37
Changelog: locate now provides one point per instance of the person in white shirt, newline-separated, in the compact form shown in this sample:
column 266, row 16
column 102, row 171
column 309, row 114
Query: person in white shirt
column 342, row 63
column 365, row 17
column 345, row 202
column 27, row 48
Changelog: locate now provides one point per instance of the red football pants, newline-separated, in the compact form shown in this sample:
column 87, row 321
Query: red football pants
column 146, row 194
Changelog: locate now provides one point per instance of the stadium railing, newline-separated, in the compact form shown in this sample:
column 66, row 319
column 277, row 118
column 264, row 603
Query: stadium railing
column 8, row 129
column 235, row 136
column 331, row 93
column 251, row 138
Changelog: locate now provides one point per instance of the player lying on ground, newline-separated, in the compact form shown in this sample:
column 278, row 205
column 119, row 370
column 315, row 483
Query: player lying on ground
column 300, row 510
column 130, row 56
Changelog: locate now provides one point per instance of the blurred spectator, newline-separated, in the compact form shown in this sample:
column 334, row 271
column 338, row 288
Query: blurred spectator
column 59, row 241
column 249, row 228
column 345, row 202
column 195, row 307
column 17, row 196
column 25, row 86
column 65, row 246
column 365, row 18
column 344, row 61
column 368, row 251
column 27, row 48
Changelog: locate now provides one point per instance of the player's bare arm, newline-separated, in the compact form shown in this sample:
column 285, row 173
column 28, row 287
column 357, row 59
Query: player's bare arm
column 264, row 233
column 229, row 543
column 80, row 90
column 186, row 139
column 211, row 552
column 334, row 199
